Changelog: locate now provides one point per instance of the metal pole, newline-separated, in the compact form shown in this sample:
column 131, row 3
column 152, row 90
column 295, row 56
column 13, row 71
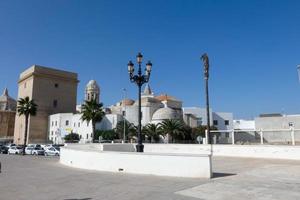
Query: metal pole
column 140, row 146
column 207, row 111
column 233, row 139
column 124, row 113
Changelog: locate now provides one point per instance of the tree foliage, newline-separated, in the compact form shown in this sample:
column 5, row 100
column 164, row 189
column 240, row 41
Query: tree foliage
column 92, row 111
column 72, row 138
column 153, row 131
column 27, row 108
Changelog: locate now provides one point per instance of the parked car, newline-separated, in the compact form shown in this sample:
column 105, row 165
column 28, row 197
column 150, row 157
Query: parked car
column 38, row 151
column 34, row 145
column 15, row 150
column 28, row 150
column 3, row 149
column 10, row 145
column 52, row 152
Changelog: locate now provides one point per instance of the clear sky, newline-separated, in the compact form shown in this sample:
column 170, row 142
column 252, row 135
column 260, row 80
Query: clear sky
column 254, row 48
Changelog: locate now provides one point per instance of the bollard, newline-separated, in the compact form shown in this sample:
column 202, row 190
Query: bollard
column 261, row 136
column 206, row 136
column 293, row 135
column 233, row 140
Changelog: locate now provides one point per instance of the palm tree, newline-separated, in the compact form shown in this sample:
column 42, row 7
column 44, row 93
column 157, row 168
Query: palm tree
column 130, row 129
column 173, row 128
column 92, row 111
column 27, row 108
column 153, row 131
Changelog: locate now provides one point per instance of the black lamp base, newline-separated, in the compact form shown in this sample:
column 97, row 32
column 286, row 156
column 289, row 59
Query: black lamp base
column 139, row 148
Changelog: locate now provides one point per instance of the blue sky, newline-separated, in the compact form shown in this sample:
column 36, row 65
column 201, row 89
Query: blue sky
column 254, row 48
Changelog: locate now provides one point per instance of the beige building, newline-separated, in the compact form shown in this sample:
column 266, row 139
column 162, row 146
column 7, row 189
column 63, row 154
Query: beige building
column 54, row 91
column 7, row 116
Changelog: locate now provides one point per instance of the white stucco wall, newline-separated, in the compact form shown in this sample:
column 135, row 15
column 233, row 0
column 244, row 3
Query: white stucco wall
column 160, row 164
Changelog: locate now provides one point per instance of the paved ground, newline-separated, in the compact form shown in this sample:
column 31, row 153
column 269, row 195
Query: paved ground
column 39, row 178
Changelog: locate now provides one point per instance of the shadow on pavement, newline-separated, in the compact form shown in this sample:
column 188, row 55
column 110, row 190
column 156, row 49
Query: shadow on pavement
column 79, row 199
column 219, row 175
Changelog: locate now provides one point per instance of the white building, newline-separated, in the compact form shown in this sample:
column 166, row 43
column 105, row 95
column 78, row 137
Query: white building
column 221, row 120
column 154, row 108
column 241, row 124
column 61, row 124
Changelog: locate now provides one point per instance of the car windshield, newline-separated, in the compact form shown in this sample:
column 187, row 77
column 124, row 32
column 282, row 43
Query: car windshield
column 29, row 148
column 51, row 149
column 37, row 148
column 19, row 147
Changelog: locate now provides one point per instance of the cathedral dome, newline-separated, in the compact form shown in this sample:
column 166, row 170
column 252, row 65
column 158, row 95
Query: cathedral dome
column 92, row 85
column 164, row 113
column 127, row 102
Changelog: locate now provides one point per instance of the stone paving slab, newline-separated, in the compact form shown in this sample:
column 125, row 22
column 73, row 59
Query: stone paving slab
column 43, row 178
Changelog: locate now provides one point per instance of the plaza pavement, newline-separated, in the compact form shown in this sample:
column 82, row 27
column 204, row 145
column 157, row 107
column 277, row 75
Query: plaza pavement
column 41, row 178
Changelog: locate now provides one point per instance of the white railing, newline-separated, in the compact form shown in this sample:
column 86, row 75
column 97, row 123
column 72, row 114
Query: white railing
column 289, row 136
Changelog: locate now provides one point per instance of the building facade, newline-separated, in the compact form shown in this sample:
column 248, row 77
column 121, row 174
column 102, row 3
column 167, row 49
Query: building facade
column 54, row 91
column 7, row 116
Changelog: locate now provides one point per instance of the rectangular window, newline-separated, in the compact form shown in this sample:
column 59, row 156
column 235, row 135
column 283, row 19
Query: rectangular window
column 226, row 122
column 52, row 123
column 55, row 103
column 87, row 136
column 55, row 123
column 74, row 124
column 78, row 124
column 215, row 122
column 56, row 85
column 227, row 134
column 51, row 132
column 124, row 113
column 67, row 122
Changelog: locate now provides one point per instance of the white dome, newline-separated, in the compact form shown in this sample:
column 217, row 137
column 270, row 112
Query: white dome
column 164, row 113
column 92, row 85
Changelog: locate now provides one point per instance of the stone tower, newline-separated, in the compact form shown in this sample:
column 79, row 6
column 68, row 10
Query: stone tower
column 92, row 91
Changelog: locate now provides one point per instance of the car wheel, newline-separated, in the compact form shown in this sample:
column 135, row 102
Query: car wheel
column 16, row 153
column 56, row 154
column 46, row 154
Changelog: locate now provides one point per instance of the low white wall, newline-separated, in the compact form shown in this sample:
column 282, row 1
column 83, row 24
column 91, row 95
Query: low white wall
column 249, row 151
column 161, row 164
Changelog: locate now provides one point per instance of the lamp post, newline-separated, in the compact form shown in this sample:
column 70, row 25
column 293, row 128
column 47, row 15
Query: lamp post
column 205, row 61
column 124, row 114
column 139, row 79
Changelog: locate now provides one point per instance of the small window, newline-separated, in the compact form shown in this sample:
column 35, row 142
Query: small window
column 227, row 134
column 55, row 123
column 51, row 132
column 25, row 85
column 56, row 85
column 80, row 136
column 124, row 113
column 226, row 122
column 67, row 122
column 78, row 124
column 291, row 124
column 55, row 103
column 216, row 122
column 52, row 123
column 87, row 136
column 74, row 124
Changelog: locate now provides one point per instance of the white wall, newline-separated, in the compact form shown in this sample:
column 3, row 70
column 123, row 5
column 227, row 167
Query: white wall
column 248, row 151
column 221, row 117
column 244, row 124
column 199, row 113
column 160, row 164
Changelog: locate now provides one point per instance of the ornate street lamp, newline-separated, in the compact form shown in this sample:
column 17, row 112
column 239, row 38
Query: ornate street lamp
column 205, row 61
column 139, row 79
